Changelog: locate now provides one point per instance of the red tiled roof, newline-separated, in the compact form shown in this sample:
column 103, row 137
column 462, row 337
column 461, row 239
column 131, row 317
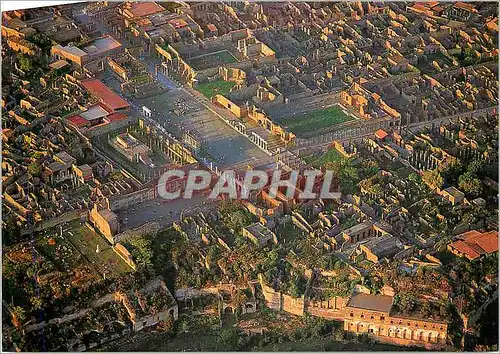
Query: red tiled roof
column 466, row 249
column 211, row 27
column 488, row 241
column 116, row 117
column 493, row 24
column 474, row 243
column 419, row 6
column 381, row 134
column 438, row 8
column 78, row 121
column 139, row 9
column 465, row 6
column 108, row 97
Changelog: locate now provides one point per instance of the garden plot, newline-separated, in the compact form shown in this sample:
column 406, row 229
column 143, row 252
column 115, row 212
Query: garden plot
column 96, row 250
column 82, row 251
column 315, row 120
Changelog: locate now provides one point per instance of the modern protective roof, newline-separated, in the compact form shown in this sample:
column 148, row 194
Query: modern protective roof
column 94, row 112
column 102, row 45
column 78, row 121
column 382, row 303
column 108, row 97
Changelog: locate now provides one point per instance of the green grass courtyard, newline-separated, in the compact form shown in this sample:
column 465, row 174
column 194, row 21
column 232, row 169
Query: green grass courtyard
column 86, row 241
column 315, row 120
column 219, row 87
column 330, row 155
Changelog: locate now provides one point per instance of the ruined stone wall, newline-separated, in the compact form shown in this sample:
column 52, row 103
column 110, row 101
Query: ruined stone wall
column 405, row 253
column 232, row 107
column 151, row 320
column 99, row 222
column 281, row 302
column 127, row 200
column 75, row 315
column 149, row 228
column 292, row 305
column 332, row 309
column 203, row 75
column 118, row 69
column 272, row 298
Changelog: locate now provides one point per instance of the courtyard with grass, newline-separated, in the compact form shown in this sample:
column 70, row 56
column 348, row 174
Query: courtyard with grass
column 315, row 120
column 330, row 155
column 219, row 87
column 212, row 60
column 88, row 242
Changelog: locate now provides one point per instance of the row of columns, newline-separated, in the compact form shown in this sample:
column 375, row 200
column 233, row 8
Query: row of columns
column 347, row 133
column 259, row 141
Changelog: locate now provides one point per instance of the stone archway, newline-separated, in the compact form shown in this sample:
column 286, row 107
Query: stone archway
column 433, row 336
column 392, row 331
column 373, row 329
column 250, row 307
column 417, row 335
column 425, row 336
column 362, row 327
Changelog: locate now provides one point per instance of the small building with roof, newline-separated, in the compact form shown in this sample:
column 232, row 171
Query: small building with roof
column 259, row 234
column 453, row 195
column 70, row 53
column 382, row 247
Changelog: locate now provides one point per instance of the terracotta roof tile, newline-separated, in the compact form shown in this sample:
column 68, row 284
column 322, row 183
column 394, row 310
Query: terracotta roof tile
column 381, row 134
column 108, row 97
column 78, row 121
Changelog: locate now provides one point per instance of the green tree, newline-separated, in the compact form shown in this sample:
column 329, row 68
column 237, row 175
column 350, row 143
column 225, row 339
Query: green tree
column 450, row 170
column 182, row 325
column 433, row 179
column 406, row 302
column 41, row 40
column 477, row 168
column 415, row 178
column 229, row 337
column 426, row 309
column 294, row 290
column 141, row 251
column 36, row 302
column 346, row 173
column 25, row 63
column 476, row 214
column 18, row 315
column 469, row 184
column 34, row 169
column 443, row 310
column 239, row 219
